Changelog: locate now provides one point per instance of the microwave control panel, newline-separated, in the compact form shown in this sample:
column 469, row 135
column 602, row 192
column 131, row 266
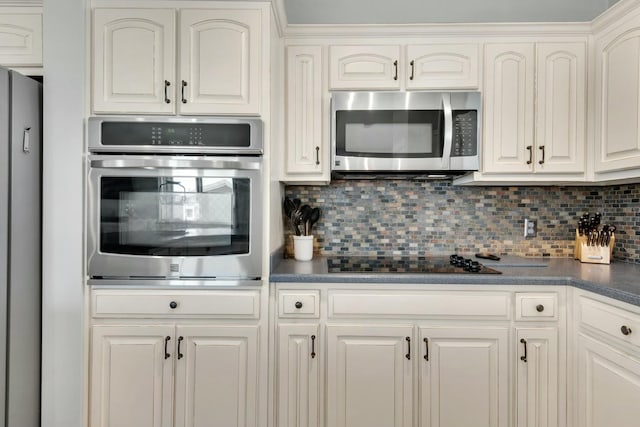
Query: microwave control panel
column 465, row 133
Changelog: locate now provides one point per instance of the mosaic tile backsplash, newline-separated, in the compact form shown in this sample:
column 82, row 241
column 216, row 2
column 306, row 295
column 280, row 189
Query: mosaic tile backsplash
column 413, row 218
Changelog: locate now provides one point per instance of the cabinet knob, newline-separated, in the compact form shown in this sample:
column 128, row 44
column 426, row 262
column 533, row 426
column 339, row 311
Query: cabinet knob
column 625, row 330
column 540, row 308
column 173, row 304
column 298, row 304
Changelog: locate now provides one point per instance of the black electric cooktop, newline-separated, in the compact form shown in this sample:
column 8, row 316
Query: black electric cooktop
column 453, row 264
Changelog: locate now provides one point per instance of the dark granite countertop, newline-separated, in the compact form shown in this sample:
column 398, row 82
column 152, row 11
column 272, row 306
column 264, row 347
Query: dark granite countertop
column 618, row 280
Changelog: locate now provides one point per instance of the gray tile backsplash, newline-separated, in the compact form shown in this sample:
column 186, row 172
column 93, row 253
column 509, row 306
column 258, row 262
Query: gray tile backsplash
column 403, row 217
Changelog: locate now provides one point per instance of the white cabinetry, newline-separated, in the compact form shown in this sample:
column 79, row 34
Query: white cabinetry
column 370, row 376
column 608, row 362
column 464, row 376
column 21, row 37
column 534, row 116
column 428, row 66
column 151, row 369
column 617, row 98
column 218, row 68
column 307, row 140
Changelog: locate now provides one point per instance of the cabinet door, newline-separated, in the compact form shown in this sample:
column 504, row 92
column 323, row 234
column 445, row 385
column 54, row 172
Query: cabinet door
column 220, row 61
column 133, row 77
column 445, row 66
column 537, row 377
column 298, row 376
column 306, row 154
column 508, row 108
column 369, row 380
column 560, row 107
column 131, row 378
column 364, row 67
column 618, row 100
column 608, row 386
column 216, row 376
column 464, row 377
column 21, row 36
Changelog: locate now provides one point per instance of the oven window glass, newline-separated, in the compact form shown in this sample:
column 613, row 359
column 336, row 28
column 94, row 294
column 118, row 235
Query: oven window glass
column 390, row 133
column 174, row 216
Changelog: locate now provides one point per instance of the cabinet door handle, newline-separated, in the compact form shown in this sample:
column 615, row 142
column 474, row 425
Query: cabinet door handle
column 180, row 355
column 625, row 330
column 395, row 65
column 524, row 344
column 542, row 160
column 317, row 155
column 173, row 305
column 426, row 349
column 412, row 63
column 184, row 84
column 166, row 342
column 530, row 155
column 313, row 346
column 167, row 83
column 408, row 355
column 539, row 308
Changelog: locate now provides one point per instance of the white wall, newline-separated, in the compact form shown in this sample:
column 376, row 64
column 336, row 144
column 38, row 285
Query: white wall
column 63, row 176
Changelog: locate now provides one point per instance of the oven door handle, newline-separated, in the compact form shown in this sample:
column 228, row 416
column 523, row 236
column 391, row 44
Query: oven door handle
column 448, row 130
column 147, row 162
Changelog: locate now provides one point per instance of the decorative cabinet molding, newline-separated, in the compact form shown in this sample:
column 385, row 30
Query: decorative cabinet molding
column 218, row 68
column 617, row 98
column 306, row 147
column 21, row 36
column 364, row 67
column 383, row 67
column 134, row 77
column 535, row 111
column 443, row 66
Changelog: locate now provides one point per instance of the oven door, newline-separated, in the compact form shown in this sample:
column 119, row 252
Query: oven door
column 174, row 217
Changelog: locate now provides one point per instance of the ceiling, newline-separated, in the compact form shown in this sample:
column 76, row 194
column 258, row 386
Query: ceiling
column 441, row 11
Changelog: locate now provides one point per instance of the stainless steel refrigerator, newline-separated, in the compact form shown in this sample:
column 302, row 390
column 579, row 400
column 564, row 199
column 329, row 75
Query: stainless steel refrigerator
column 20, row 249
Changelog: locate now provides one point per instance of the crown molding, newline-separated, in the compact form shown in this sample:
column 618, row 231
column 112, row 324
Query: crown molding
column 20, row 3
column 614, row 14
column 280, row 16
column 443, row 30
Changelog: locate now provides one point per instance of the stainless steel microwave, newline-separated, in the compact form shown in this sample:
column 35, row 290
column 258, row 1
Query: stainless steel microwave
column 415, row 132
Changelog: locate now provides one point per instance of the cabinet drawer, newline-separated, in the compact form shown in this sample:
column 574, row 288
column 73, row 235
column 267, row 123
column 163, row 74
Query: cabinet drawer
column 612, row 320
column 134, row 303
column 534, row 306
column 299, row 304
column 493, row 305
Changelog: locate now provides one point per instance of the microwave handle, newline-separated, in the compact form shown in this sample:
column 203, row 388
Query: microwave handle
column 448, row 130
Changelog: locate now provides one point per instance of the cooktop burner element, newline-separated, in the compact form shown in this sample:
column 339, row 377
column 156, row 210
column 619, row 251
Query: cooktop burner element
column 453, row 264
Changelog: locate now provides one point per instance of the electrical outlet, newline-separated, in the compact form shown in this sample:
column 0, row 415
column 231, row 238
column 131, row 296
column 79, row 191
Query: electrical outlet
column 530, row 228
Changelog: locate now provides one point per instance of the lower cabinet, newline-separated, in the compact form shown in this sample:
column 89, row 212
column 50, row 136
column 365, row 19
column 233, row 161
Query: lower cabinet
column 370, row 376
column 464, row 377
column 133, row 382
column 382, row 358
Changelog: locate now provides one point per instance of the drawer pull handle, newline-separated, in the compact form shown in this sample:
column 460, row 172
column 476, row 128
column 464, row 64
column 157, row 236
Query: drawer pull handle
column 180, row 355
column 524, row 343
column 298, row 304
column 166, row 342
column 426, row 349
column 173, row 305
column 539, row 308
column 408, row 355
column 313, row 346
column 625, row 330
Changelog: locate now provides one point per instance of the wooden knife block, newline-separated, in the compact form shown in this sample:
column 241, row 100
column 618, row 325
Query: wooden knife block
column 593, row 254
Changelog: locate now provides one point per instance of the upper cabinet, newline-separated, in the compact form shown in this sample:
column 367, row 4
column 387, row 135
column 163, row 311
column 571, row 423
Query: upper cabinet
column 617, row 98
column 21, row 37
column 534, row 109
column 216, row 67
column 428, row 66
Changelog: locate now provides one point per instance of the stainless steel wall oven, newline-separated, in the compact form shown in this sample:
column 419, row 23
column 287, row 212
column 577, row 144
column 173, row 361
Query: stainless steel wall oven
column 176, row 198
